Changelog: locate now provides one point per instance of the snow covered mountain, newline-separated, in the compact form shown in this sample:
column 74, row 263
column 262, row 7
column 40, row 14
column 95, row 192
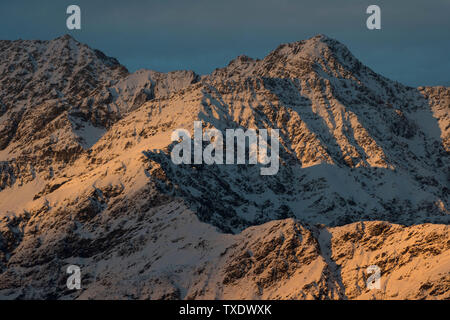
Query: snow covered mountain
column 86, row 178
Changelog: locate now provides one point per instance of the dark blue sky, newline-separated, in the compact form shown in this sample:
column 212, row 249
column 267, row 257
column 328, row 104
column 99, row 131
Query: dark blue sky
column 413, row 46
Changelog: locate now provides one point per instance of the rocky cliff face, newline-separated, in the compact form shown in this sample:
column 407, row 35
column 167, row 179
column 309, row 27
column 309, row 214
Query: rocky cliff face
column 86, row 178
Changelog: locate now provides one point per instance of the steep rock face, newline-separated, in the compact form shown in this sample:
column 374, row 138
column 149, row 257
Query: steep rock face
column 92, row 183
column 413, row 261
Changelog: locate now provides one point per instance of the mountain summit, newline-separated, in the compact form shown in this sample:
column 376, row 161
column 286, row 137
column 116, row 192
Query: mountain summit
column 86, row 178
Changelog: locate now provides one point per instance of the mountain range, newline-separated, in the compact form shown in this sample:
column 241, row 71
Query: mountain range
column 86, row 178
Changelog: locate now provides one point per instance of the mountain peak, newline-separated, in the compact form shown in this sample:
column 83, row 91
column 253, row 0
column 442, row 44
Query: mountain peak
column 66, row 41
column 317, row 53
column 317, row 47
column 322, row 38
column 65, row 37
column 241, row 59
